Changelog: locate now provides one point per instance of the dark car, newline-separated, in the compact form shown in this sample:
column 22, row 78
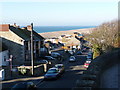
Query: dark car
column 60, row 67
column 86, row 47
column 84, row 50
column 79, row 53
column 49, row 58
column 52, row 73
column 89, row 56
column 55, row 54
column 43, row 61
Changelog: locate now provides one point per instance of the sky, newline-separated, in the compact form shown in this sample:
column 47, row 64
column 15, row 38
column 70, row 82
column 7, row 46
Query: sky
column 58, row 12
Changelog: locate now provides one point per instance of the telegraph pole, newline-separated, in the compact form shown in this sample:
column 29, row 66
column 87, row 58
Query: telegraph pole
column 32, row 55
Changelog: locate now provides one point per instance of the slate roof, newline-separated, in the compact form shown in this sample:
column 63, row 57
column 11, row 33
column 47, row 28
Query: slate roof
column 25, row 34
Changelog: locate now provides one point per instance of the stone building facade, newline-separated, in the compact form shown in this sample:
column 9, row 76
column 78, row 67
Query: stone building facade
column 18, row 41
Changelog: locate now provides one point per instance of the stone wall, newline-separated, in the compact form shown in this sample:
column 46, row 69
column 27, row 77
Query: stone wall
column 15, row 46
column 99, row 71
column 110, row 78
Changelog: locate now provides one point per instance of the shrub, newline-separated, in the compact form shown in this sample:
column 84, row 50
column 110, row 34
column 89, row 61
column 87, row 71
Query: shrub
column 105, row 37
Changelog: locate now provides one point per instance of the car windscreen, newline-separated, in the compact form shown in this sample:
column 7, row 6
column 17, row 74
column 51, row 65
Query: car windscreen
column 72, row 57
column 52, row 71
column 48, row 58
column 59, row 66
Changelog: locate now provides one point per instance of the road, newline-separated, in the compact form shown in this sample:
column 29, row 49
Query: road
column 68, row 79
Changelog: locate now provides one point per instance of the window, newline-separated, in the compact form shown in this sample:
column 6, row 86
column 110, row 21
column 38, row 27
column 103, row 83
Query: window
column 4, row 58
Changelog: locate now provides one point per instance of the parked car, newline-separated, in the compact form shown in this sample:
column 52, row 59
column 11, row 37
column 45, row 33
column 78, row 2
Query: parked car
column 72, row 59
column 87, row 63
column 49, row 58
column 52, row 73
column 60, row 67
column 86, row 47
column 55, row 54
column 79, row 53
column 43, row 61
column 90, row 53
column 89, row 56
column 84, row 50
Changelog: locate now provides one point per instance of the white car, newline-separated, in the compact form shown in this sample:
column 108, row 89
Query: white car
column 72, row 59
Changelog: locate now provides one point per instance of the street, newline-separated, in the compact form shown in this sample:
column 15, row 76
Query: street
column 73, row 71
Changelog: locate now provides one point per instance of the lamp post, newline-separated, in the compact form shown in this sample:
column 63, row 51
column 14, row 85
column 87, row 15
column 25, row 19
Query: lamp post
column 11, row 56
column 32, row 55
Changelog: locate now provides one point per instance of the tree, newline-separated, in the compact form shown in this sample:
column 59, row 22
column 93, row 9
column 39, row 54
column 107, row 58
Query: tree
column 105, row 37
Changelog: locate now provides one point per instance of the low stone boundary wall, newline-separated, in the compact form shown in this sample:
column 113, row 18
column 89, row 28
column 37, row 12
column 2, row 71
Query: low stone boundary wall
column 91, row 77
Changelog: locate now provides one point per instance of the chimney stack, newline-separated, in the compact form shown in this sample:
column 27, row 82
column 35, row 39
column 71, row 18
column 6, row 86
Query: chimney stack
column 29, row 27
column 4, row 27
column 15, row 24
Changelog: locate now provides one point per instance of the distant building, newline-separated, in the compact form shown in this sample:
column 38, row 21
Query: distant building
column 18, row 42
column 52, row 40
column 73, row 43
column 65, row 36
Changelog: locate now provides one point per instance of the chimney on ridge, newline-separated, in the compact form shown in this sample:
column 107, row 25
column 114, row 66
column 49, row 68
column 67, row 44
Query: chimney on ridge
column 4, row 27
column 29, row 27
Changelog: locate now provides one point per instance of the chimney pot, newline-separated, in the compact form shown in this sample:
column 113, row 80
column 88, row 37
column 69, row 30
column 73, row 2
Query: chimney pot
column 29, row 27
column 4, row 27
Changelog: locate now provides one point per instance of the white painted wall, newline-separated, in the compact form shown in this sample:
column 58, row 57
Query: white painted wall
column 3, row 57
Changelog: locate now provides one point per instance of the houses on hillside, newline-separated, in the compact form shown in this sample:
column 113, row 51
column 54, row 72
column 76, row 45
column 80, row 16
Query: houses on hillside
column 70, row 42
column 18, row 41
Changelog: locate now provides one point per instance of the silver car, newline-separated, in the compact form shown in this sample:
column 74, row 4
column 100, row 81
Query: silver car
column 72, row 59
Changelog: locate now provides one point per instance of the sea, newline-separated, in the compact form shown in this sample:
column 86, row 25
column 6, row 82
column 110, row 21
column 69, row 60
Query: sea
column 43, row 29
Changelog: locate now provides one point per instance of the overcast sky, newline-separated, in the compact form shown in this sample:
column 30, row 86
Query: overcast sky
column 58, row 12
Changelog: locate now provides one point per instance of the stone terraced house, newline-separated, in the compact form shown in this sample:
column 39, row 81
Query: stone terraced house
column 18, row 42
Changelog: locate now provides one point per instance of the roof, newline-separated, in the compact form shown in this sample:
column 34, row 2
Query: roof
column 25, row 34
column 73, row 41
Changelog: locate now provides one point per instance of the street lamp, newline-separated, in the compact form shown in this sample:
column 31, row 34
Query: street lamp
column 10, row 61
